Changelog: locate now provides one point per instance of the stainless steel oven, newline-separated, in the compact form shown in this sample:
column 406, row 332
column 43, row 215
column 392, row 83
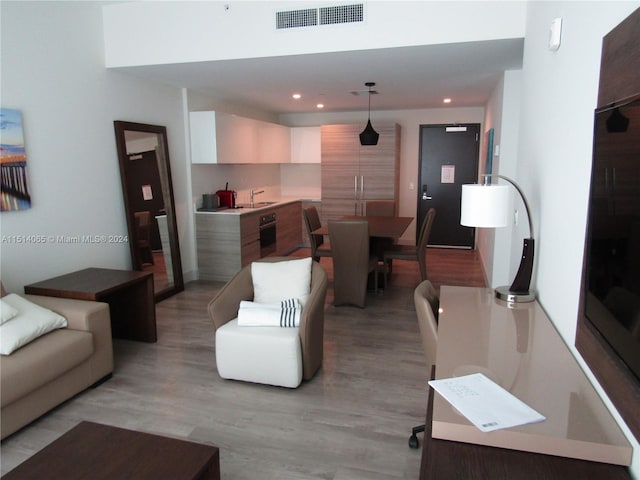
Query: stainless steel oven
column 267, row 234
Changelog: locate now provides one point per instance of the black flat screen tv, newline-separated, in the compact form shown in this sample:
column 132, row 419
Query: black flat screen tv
column 612, row 286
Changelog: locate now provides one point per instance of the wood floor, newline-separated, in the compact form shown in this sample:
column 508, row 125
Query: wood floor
column 351, row 421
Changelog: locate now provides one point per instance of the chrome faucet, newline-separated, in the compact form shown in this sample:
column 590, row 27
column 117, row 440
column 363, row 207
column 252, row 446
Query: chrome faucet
column 251, row 194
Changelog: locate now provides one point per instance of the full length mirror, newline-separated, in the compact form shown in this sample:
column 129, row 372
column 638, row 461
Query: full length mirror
column 148, row 199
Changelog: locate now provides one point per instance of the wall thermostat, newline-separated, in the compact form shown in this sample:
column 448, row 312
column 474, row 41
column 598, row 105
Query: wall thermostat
column 555, row 32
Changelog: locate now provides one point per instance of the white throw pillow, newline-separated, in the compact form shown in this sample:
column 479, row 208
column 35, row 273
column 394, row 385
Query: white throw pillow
column 31, row 322
column 7, row 312
column 277, row 281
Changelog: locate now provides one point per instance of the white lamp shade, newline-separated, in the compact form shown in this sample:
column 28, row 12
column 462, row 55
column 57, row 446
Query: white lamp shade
column 485, row 206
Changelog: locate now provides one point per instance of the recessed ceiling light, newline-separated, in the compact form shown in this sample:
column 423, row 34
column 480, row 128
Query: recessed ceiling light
column 297, row 96
column 447, row 100
column 320, row 105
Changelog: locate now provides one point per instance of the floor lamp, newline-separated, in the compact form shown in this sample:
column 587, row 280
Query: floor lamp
column 488, row 206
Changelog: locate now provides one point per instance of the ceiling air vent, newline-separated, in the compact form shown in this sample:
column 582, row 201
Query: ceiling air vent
column 310, row 17
column 341, row 14
column 297, row 18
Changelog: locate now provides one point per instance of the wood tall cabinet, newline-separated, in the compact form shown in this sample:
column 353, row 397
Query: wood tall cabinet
column 353, row 173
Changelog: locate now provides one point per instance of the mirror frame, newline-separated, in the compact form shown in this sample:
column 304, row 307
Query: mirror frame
column 120, row 128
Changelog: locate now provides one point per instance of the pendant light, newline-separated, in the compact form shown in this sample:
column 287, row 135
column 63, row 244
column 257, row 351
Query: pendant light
column 369, row 136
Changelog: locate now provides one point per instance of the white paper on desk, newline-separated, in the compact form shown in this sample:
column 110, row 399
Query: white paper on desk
column 484, row 403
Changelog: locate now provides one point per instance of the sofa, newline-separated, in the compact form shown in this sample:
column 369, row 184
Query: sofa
column 56, row 366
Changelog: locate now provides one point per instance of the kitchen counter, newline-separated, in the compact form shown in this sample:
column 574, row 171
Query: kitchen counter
column 259, row 206
column 227, row 240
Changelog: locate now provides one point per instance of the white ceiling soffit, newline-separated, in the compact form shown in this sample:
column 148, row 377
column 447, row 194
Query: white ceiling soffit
column 406, row 77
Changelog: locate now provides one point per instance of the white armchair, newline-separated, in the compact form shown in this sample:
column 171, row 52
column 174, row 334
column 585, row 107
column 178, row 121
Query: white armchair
column 269, row 355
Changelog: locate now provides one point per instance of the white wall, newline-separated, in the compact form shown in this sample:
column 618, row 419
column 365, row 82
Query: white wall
column 559, row 94
column 53, row 71
column 503, row 115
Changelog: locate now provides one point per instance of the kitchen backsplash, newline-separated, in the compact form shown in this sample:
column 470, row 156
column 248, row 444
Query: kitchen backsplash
column 277, row 181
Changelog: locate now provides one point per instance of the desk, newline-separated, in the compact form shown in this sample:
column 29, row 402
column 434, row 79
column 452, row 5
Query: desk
column 385, row 227
column 520, row 349
column 129, row 294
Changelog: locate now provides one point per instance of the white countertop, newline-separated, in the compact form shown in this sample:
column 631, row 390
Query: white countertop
column 258, row 206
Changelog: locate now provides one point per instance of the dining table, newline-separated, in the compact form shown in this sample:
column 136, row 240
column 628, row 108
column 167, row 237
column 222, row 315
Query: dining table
column 379, row 226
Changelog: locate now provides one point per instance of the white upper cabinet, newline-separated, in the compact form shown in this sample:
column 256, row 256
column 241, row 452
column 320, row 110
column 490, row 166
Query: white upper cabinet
column 218, row 137
column 202, row 127
column 274, row 143
column 305, row 145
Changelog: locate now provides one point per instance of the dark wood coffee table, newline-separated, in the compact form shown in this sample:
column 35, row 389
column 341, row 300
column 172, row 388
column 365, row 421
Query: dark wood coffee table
column 129, row 294
column 99, row 452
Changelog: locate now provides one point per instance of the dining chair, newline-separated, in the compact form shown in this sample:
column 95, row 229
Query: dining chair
column 409, row 252
column 352, row 262
column 427, row 303
column 312, row 221
column 143, row 227
column 381, row 208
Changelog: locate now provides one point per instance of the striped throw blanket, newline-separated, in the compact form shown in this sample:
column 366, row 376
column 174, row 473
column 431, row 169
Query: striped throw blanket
column 283, row 314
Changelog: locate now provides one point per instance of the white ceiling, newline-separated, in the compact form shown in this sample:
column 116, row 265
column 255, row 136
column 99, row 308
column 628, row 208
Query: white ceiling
column 406, row 78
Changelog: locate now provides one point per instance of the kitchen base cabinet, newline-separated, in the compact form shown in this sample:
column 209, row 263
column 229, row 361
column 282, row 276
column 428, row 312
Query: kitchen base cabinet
column 249, row 239
column 225, row 243
column 288, row 228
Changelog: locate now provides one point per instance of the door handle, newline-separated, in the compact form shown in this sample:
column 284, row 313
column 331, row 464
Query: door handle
column 425, row 195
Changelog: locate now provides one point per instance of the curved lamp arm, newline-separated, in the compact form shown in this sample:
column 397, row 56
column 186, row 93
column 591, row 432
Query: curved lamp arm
column 519, row 289
column 517, row 187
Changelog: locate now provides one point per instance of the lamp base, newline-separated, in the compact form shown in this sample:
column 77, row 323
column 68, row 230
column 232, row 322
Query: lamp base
column 503, row 293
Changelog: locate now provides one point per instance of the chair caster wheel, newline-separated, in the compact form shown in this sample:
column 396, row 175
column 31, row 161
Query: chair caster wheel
column 413, row 442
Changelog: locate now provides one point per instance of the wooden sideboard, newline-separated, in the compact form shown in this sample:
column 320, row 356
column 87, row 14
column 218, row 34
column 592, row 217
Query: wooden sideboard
column 517, row 346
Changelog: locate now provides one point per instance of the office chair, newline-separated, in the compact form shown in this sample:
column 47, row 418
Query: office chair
column 427, row 304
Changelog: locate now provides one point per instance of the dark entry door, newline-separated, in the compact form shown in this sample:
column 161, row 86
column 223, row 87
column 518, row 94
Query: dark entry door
column 448, row 158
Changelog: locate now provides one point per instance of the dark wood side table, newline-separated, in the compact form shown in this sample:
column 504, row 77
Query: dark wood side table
column 101, row 452
column 129, row 294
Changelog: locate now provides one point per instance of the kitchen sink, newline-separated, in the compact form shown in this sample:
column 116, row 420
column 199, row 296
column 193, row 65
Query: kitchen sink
column 255, row 205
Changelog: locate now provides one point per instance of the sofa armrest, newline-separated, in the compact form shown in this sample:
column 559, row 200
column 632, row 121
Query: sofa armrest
column 88, row 316
column 312, row 322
